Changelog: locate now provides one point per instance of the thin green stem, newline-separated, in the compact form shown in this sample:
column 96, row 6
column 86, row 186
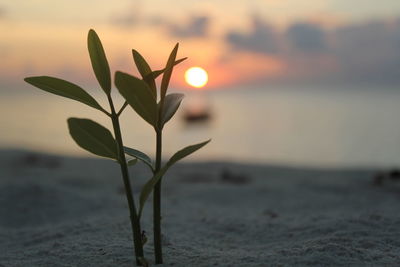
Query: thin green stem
column 135, row 221
column 122, row 108
column 157, row 203
column 105, row 112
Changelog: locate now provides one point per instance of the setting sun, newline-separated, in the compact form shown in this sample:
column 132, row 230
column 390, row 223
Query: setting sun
column 196, row 77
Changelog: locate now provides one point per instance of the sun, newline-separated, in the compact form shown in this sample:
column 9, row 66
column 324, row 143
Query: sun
column 196, row 77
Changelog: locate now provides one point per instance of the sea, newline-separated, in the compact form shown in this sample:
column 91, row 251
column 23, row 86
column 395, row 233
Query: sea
column 297, row 126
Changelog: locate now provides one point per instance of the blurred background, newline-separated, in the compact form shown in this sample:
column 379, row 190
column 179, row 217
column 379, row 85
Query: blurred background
column 300, row 82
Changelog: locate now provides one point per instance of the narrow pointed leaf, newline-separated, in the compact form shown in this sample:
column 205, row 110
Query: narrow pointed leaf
column 99, row 61
column 93, row 137
column 157, row 73
column 171, row 105
column 145, row 70
column 138, row 95
column 168, row 72
column 63, row 88
column 186, row 152
column 139, row 155
column 148, row 187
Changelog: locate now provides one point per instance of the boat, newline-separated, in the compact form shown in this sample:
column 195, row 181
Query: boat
column 197, row 116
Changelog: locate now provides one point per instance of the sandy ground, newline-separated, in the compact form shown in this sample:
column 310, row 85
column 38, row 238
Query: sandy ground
column 58, row 211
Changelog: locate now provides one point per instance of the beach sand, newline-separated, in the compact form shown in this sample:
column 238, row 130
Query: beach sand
column 65, row 211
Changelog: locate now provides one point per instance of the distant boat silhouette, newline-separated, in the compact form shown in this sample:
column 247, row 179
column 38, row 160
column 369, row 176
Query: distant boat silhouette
column 196, row 115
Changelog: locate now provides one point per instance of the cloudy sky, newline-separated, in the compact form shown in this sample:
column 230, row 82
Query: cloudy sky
column 257, row 42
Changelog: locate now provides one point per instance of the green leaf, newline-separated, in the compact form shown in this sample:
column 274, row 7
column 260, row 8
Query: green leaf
column 63, row 88
column 171, row 105
column 139, row 155
column 157, row 73
column 138, row 95
column 168, row 72
column 145, row 70
column 148, row 187
column 93, row 137
column 99, row 61
column 186, row 152
column 132, row 162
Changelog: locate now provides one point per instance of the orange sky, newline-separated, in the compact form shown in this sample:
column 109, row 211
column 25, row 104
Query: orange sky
column 236, row 42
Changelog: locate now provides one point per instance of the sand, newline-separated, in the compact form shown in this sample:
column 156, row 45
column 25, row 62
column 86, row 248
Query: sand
column 64, row 211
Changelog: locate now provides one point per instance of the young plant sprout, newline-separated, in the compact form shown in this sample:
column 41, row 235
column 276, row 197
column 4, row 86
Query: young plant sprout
column 141, row 95
column 144, row 101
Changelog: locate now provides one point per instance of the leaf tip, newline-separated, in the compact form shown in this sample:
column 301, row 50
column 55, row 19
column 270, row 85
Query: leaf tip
column 71, row 119
column 117, row 76
column 32, row 80
column 206, row 142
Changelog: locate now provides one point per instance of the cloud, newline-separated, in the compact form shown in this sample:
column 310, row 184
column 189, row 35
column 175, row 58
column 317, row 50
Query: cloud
column 131, row 20
column 125, row 20
column 369, row 52
column 132, row 17
column 306, row 37
column 362, row 53
column 262, row 38
column 267, row 39
column 197, row 27
column 3, row 12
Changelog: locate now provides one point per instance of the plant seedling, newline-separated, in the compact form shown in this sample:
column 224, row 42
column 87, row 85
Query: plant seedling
column 92, row 136
column 144, row 101
column 141, row 95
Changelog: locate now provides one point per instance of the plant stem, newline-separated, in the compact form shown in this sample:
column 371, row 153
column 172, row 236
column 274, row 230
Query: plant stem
column 122, row 108
column 157, row 204
column 135, row 222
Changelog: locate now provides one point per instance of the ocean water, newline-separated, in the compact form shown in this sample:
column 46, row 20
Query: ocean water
column 298, row 126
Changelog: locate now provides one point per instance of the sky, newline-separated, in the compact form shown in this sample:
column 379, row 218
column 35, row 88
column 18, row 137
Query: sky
column 254, row 43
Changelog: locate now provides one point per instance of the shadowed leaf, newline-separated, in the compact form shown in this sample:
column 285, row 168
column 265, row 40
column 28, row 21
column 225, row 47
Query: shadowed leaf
column 99, row 61
column 171, row 105
column 184, row 152
column 168, row 71
column 157, row 73
column 145, row 70
column 63, row 88
column 148, row 187
column 139, row 155
column 138, row 95
column 132, row 162
column 93, row 137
